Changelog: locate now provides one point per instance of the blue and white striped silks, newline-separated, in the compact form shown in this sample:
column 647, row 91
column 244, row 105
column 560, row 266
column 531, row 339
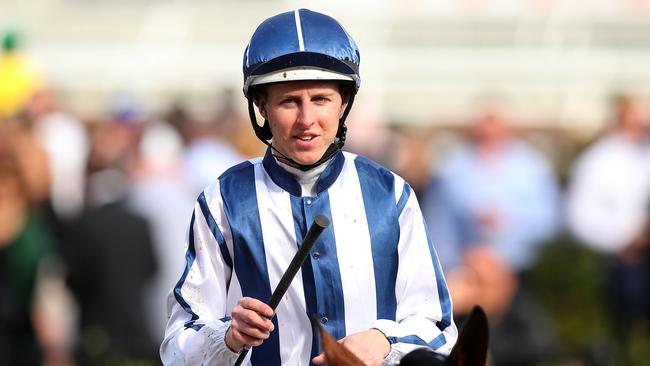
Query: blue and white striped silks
column 375, row 265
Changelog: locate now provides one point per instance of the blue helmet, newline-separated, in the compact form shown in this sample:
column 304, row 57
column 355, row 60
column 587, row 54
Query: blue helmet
column 301, row 45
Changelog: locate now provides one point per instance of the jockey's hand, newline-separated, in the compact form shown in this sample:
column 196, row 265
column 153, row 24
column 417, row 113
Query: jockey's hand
column 250, row 324
column 370, row 346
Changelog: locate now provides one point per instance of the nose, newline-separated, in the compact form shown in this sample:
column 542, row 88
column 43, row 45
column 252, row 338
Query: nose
column 307, row 114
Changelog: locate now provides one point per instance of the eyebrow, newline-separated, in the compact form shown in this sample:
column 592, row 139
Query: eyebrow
column 323, row 93
column 327, row 93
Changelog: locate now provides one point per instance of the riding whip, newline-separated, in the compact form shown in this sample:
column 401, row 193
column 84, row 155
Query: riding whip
column 320, row 223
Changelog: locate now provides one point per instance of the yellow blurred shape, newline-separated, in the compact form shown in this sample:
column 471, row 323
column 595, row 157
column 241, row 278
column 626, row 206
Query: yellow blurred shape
column 19, row 79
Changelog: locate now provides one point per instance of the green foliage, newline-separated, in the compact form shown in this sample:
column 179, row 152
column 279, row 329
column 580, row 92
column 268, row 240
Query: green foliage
column 10, row 41
column 569, row 281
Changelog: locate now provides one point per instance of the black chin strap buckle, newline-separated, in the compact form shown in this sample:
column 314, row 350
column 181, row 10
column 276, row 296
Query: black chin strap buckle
column 339, row 141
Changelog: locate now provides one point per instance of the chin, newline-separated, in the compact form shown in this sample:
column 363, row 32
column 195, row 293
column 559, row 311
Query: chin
column 306, row 162
column 307, row 159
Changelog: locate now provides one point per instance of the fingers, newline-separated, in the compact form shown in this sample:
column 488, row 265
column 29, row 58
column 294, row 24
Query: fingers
column 250, row 330
column 253, row 315
column 251, row 322
column 256, row 305
column 241, row 339
column 319, row 360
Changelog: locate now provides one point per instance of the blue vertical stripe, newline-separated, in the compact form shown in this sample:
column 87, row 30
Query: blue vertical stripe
column 401, row 203
column 190, row 256
column 308, row 284
column 443, row 291
column 240, row 205
column 331, row 173
column 279, row 176
column 378, row 191
column 443, row 296
column 325, row 267
column 214, row 228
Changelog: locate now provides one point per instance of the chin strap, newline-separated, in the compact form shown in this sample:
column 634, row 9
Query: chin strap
column 263, row 133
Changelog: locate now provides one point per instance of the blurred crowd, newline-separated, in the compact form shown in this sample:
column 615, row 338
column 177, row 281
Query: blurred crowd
column 94, row 214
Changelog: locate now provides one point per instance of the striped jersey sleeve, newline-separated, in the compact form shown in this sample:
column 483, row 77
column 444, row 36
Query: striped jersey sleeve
column 198, row 303
column 422, row 310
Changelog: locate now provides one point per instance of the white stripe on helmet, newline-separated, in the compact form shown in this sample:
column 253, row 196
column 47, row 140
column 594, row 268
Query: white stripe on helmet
column 301, row 42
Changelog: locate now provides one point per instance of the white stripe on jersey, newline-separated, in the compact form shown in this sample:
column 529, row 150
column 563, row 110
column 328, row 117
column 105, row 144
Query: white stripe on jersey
column 353, row 249
column 207, row 294
column 215, row 204
column 278, row 231
column 418, row 249
column 399, row 187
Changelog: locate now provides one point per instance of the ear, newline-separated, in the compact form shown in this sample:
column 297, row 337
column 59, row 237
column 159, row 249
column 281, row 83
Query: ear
column 343, row 106
column 472, row 344
column 261, row 106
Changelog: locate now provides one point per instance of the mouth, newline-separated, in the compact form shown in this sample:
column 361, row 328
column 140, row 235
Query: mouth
column 305, row 138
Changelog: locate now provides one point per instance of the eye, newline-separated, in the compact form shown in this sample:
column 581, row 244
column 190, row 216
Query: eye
column 288, row 101
column 320, row 99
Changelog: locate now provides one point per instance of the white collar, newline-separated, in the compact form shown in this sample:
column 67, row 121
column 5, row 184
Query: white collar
column 308, row 178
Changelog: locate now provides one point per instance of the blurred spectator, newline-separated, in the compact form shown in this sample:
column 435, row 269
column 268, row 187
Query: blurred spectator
column 19, row 77
column 109, row 256
column 206, row 154
column 503, row 189
column 66, row 142
column 367, row 134
column 226, row 116
column 610, row 182
column 607, row 208
column 493, row 202
column 159, row 175
column 27, row 337
column 410, row 157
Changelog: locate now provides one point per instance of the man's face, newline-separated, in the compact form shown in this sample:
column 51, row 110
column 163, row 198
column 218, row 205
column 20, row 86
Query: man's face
column 490, row 128
column 303, row 116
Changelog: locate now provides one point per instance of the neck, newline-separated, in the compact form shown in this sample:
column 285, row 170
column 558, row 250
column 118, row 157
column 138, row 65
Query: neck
column 636, row 135
column 327, row 156
column 306, row 178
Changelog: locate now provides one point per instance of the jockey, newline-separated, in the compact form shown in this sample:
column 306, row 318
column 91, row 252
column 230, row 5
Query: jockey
column 373, row 278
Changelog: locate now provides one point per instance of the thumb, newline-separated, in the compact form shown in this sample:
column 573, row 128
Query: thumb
column 319, row 360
